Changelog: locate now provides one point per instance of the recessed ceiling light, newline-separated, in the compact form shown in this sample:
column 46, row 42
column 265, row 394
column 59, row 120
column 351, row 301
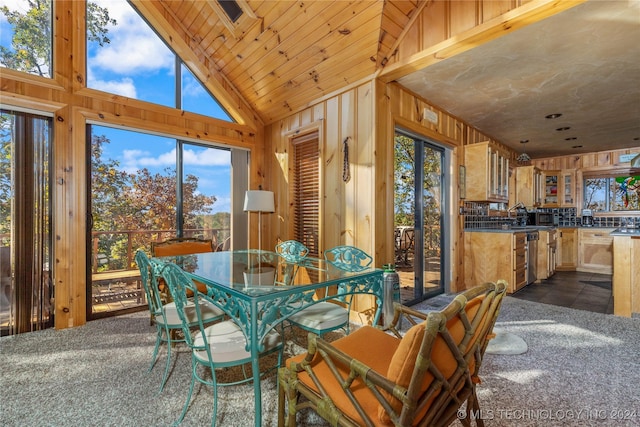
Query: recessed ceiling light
column 577, row 146
column 553, row 116
column 563, row 128
column 572, row 138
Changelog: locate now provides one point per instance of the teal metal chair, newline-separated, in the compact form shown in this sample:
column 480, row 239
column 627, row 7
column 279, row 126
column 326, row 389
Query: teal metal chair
column 221, row 345
column 326, row 316
column 292, row 253
column 165, row 316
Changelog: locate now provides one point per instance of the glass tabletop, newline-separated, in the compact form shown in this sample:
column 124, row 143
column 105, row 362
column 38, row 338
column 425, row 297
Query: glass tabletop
column 253, row 272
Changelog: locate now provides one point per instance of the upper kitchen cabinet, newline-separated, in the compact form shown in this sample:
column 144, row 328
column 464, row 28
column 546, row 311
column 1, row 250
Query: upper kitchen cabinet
column 568, row 186
column 529, row 186
column 559, row 188
column 487, row 173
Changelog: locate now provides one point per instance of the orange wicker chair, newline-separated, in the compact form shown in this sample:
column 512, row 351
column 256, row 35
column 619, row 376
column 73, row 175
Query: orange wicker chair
column 375, row 378
column 180, row 246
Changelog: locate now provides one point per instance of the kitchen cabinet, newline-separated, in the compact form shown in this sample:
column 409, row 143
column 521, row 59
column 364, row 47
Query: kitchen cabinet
column 491, row 256
column 595, row 250
column 568, row 188
column 547, row 245
column 487, row 173
column 567, row 249
column 559, row 188
column 550, row 189
column 529, row 186
column 626, row 275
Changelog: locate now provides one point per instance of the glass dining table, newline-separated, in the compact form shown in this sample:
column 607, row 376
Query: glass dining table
column 259, row 290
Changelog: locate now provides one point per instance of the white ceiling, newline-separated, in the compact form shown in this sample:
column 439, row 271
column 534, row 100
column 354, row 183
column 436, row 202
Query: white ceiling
column 583, row 63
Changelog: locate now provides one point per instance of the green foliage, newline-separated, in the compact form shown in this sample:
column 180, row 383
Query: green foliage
column 134, row 207
column 6, row 158
column 30, row 49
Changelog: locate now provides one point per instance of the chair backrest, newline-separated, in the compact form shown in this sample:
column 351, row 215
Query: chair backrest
column 149, row 278
column 438, row 360
column 225, row 245
column 348, row 258
column 181, row 246
column 292, row 251
column 180, row 286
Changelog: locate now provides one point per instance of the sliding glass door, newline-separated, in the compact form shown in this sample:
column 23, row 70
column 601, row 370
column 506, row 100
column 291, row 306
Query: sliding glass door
column 26, row 287
column 419, row 213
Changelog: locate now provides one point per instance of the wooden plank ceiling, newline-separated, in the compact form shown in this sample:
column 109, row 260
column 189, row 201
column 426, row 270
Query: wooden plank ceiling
column 282, row 55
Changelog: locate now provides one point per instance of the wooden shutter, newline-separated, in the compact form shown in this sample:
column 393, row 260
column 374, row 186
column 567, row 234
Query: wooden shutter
column 306, row 191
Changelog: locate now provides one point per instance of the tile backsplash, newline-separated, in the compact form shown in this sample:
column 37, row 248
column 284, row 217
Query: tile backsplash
column 479, row 215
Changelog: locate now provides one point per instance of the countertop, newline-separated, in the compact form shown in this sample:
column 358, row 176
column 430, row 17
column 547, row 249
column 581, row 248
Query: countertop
column 518, row 229
column 626, row 232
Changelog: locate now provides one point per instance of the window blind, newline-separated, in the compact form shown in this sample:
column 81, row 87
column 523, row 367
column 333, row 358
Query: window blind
column 306, row 191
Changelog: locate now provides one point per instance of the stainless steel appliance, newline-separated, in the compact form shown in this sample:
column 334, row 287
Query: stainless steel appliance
column 587, row 218
column 543, row 218
column 532, row 256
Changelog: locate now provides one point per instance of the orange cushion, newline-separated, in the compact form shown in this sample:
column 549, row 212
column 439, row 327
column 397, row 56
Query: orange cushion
column 369, row 345
column 402, row 364
column 182, row 248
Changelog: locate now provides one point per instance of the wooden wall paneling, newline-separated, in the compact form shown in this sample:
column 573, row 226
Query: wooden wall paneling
column 362, row 184
column 493, row 9
column 383, row 249
column 464, row 16
column 332, row 175
column 69, row 219
column 350, row 195
column 364, row 141
column 434, row 24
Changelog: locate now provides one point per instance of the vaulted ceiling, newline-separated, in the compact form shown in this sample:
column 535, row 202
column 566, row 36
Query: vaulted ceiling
column 281, row 56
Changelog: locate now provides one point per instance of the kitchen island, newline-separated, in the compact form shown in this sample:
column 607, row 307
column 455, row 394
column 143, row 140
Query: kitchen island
column 626, row 272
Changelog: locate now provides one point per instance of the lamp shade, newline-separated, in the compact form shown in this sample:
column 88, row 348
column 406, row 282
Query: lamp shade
column 259, row 201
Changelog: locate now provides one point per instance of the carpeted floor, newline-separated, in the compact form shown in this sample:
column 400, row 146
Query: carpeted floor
column 580, row 368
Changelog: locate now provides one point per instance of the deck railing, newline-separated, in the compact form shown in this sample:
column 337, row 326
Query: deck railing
column 123, row 244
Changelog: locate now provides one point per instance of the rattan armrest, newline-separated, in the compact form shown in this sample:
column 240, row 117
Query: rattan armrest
column 402, row 311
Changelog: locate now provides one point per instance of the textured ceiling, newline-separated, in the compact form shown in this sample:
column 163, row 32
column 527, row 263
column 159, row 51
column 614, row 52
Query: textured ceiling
column 583, row 63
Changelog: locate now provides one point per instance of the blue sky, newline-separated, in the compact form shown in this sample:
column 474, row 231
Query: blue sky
column 137, row 64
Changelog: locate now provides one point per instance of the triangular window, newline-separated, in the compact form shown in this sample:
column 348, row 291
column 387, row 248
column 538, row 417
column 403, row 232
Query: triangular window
column 133, row 61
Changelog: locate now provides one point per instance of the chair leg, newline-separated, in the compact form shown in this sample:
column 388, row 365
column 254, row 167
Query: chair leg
column 166, row 367
column 154, row 356
column 281, row 399
column 191, row 386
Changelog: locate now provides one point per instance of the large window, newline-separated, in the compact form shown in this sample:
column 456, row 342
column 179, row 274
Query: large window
column 148, row 188
column 25, row 36
column 612, row 194
column 26, row 287
column 128, row 58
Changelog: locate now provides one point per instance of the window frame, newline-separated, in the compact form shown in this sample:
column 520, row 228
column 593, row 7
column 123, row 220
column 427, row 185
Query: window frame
column 310, row 143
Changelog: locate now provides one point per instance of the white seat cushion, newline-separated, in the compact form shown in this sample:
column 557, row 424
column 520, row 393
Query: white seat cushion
column 228, row 343
column 208, row 311
column 321, row 316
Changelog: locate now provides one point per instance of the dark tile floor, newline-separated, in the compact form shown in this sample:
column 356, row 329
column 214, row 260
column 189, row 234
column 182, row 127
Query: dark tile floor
column 579, row 290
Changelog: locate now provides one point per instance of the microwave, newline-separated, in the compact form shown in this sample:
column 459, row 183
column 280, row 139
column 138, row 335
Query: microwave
column 543, row 218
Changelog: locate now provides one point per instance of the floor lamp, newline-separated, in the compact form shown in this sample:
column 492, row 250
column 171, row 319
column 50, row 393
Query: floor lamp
column 259, row 201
